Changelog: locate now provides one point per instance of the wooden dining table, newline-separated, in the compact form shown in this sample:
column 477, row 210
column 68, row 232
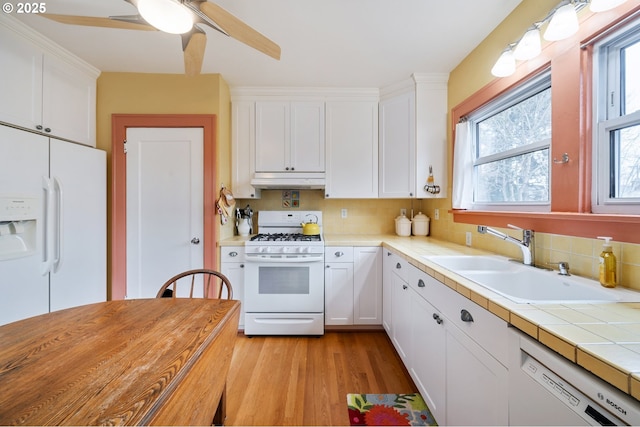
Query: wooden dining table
column 130, row 362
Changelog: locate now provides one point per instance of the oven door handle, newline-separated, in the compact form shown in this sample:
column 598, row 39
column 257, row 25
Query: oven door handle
column 278, row 259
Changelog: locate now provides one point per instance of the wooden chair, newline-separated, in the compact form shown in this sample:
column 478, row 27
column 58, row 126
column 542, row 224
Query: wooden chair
column 213, row 283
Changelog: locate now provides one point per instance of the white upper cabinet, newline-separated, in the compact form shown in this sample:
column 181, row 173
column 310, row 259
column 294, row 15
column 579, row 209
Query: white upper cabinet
column 352, row 149
column 397, row 146
column 413, row 138
column 243, row 140
column 290, row 136
column 43, row 87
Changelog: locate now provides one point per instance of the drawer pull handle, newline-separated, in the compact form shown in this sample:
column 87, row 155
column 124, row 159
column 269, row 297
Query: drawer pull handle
column 421, row 283
column 465, row 316
column 398, row 265
column 234, row 253
column 339, row 254
column 437, row 318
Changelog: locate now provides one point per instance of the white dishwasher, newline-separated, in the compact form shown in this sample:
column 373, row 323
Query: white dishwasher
column 547, row 389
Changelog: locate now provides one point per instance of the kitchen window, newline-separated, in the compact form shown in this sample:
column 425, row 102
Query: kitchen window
column 510, row 141
column 616, row 130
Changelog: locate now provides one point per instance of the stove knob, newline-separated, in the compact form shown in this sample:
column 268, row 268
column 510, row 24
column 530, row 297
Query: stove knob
column 285, row 249
column 307, row 249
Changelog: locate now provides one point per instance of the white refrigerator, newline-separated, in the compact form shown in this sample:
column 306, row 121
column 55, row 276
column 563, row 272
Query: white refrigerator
column 52, row 224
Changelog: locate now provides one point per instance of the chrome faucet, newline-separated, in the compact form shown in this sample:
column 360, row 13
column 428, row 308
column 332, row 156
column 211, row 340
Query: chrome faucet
column 526, row 244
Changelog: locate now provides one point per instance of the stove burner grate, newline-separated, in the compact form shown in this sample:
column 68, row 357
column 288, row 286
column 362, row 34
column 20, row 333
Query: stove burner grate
column 285, row 237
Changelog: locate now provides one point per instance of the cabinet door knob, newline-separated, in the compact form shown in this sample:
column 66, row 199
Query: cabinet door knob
column 437, row 318
column 47, row 130
column 398, row 265
column 233, row 253
column 339, row 254
column 195, row 241
column 421, row 283
column 241, row 265
column 404, row 287
column 465, row 316
column 39, row 127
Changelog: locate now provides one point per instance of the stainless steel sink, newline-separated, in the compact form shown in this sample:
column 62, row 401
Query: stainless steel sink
column 529, row 285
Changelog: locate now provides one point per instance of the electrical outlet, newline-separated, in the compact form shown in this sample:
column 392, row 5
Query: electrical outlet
column 403, row 212
column 436, row 214
column 468, row 238
column 343, row 213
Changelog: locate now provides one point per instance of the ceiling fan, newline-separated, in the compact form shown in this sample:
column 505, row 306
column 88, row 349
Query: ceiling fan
column 181, row 17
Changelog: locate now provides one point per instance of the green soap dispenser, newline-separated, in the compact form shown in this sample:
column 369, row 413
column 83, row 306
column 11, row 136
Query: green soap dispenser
column 607, row 264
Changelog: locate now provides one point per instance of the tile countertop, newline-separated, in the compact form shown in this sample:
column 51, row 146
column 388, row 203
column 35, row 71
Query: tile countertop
column 604, row 338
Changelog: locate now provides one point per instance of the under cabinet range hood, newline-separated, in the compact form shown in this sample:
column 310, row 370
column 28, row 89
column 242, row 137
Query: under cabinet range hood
column 288, row 180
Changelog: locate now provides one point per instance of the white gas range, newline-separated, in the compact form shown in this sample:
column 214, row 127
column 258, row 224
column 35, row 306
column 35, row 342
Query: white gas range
column 284, row 276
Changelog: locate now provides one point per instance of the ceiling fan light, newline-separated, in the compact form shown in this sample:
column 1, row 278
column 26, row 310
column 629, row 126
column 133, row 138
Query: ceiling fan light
column 529, row 46
column 564, row 23
column 166, row 15
column 505, row 65
column 602, row 5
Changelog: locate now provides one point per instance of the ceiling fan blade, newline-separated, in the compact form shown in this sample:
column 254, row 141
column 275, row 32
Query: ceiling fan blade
column 193, row 45
column 94, row 21
column 239, row 30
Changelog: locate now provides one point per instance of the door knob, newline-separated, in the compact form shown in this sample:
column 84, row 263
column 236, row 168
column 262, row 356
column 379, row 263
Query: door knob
column 195, row 241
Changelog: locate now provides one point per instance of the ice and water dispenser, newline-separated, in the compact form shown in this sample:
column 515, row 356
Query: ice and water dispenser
column 18, row 225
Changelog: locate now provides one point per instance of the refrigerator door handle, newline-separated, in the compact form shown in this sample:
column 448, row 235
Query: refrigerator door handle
column 58, row 245
column 47, row 233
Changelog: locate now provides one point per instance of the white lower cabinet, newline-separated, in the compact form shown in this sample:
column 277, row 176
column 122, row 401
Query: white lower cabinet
column 232, row 266
column 401, row 318
column 367, row 285
column 338, row 286
column 353, row 285
column 477, row 384
column 428, row 354
column 454, row 350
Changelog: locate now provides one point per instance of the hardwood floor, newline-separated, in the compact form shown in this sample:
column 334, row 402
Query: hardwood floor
column 305, row 380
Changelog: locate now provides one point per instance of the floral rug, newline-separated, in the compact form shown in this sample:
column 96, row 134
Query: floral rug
column 388, row 410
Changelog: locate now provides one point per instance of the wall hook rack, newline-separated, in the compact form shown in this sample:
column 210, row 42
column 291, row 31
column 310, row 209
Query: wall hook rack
column 430, row 187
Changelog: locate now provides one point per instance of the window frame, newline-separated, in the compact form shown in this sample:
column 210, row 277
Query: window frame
column 518, row 93
column 571, row 63
column 609, row 118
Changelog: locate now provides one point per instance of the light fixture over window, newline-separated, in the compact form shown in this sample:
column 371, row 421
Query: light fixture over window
column 506, row 64
column 602, row 5
column 564, row 23
column 166, row 15
column 529, row 46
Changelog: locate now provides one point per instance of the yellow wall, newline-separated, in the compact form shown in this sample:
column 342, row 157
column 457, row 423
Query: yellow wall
column 136, row 93
column 472, row 74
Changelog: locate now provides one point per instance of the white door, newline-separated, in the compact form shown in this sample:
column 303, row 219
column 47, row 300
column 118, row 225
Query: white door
column 78, row 225
column 164, row 206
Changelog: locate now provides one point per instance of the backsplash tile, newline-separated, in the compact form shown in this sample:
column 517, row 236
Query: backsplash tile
column 376, row 216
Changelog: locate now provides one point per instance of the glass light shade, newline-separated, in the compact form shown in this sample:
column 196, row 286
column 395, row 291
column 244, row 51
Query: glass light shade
column 505, row 66
column 529, row 46
column 564, row 23
column 602, row 5
column 166, row 15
